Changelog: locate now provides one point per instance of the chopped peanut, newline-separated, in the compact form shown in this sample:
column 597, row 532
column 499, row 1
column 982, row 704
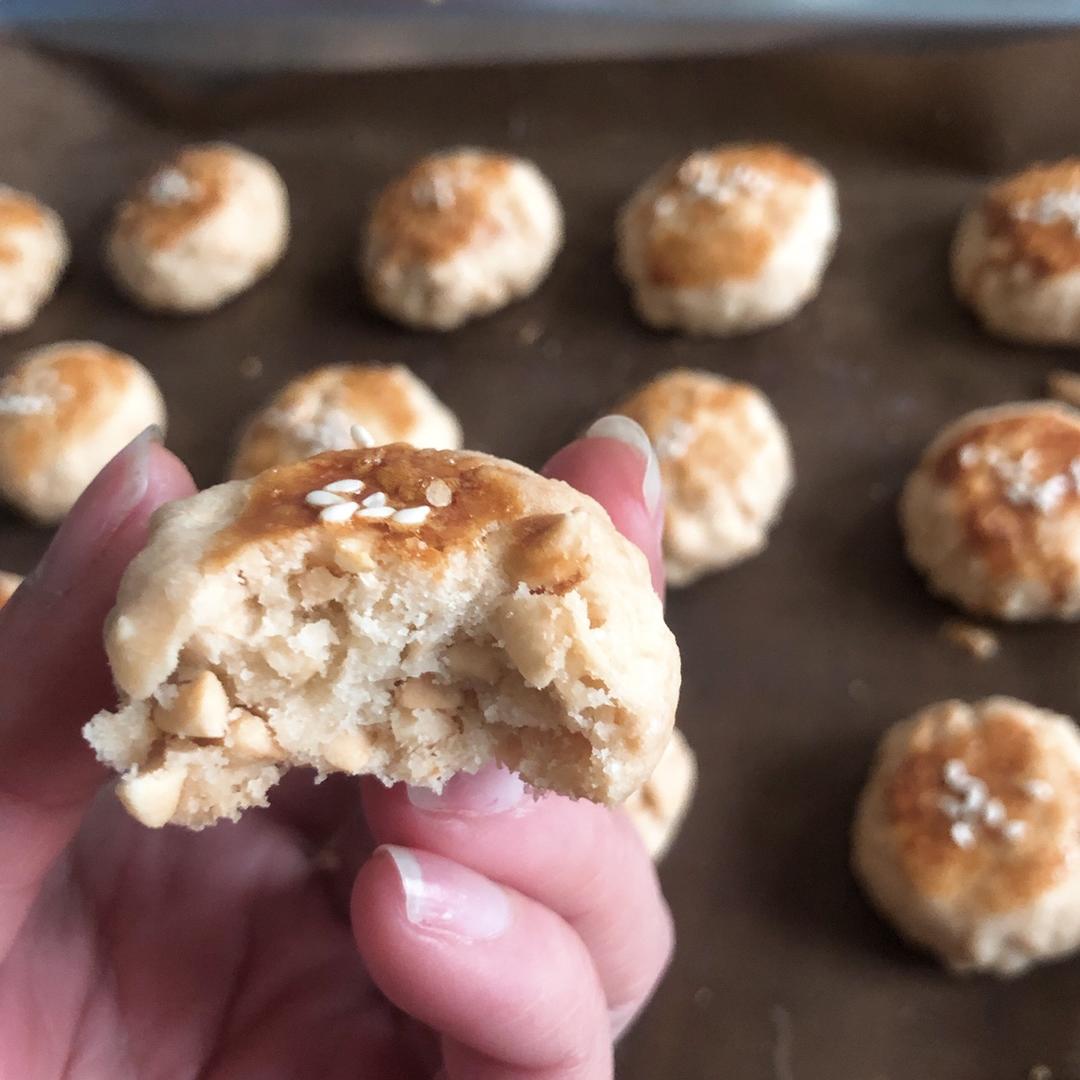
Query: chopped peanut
column 151, row 797
column 353, row 556
column 424, row 693
column 250, row 737
column 349, row 751
column 199, row 711
column 470, row 660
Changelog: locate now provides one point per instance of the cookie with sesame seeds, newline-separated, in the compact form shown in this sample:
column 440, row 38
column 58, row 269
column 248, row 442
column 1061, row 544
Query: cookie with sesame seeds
column 726, row 467
column 1015, row 258
column 991, row 515
column 460, row 235
column 728, row 240
column 967, row 834
column 33, row 253
column 317, row 411
column 199, row 230
column 658, row 807
column 390, row 611
column 65, row 410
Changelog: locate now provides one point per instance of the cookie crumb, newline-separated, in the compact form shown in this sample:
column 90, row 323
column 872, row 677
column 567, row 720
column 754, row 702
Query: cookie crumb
column 1040, row 1072
column 1065, row 386
column 703, row 997
column 251, row 367
column 977, row 641
column 529, row 333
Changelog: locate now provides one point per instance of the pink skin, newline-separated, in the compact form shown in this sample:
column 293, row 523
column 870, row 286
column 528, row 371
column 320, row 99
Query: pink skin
column 502, row 937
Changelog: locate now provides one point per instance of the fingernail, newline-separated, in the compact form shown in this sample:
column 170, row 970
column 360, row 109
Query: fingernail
column 492, row 790
column 441, row 895
column 630, row 432
column 99, row 512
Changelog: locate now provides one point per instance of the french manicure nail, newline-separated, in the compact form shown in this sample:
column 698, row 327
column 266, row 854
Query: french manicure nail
column 441, row 895
column 630, row 432
column 492, row 790
column 99, row 512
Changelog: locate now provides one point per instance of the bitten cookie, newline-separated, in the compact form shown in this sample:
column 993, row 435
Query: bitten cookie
column 658, row 807
column 400, row 612
column 461, row 234
column 967, row 836
column 8, row 584
column 726, row 466
column 65, row 410
column 33, row 254
column 991, row 515
column 1016, row 256
column 728, row 240
column 317, row 411
column 200, row 230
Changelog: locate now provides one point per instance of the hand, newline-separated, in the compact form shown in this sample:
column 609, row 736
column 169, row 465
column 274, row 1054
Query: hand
column 491, row 936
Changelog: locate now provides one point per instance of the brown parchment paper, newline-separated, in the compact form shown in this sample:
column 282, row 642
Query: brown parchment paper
column 795, row 662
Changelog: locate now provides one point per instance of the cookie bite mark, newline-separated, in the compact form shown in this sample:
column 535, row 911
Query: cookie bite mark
column 1036, row 217
column 439, row 207
column 176, row 197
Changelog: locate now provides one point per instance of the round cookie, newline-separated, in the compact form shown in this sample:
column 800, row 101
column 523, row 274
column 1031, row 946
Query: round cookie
column 967, row 835
column 33, row 253
column 8, row 584
column 728, row 240
column 461, row 234
column 991, row 515
column 317, row 411
column 199, row 230
column 1016, row 256
column 65, row 410
column 391, row 611
column 658, row 807
column 726, row 466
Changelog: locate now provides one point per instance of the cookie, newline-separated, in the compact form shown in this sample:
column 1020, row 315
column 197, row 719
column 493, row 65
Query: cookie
column 991, row 515
column 317, row 411
column 461, row 234
column 202, row 228
column 967, row 835
column 391, row 611
column 1016, row 256
column 658, row 807
column 65, row 410
column 8, row 584
column 33, row 253
column 728, row 240
column 726, row 467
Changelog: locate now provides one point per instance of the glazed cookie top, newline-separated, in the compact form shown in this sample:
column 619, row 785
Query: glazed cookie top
column 443, row 204
column 1034, row 217
column 982, row 802
column 1013, row 476
column 178, row 196
column 718, row 214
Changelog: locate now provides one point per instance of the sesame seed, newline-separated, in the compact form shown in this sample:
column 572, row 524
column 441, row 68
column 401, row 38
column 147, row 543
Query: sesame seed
column 665, row 205
column 168, row 187
column 376, row 513
column 1052, row 207
column 376, row 498
column 994, row 813
column 1035, row 788
column 341, row 512
column 412, row 515
column 956, row 774
column 1014, row 830
column 950, row 807
column 351, row 487
column 322, row 498
column 361, row 436
column 963, row 835
column 968, row 456
column 438, row 493
column 974, row 797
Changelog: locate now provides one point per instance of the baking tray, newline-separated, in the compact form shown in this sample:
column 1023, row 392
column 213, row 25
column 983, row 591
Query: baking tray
column 795, row 662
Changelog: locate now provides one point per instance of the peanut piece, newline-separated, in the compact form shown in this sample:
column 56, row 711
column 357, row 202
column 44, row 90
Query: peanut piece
column 200, row 710
column 151, row 797
column 349, row 751
column 250, row 737
column 470, row 660
column 424, row 693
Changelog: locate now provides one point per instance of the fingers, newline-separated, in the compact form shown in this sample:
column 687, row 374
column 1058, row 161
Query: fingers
column 616, row 465
column 580, row 860
column 505, row 981
column 53, row 673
